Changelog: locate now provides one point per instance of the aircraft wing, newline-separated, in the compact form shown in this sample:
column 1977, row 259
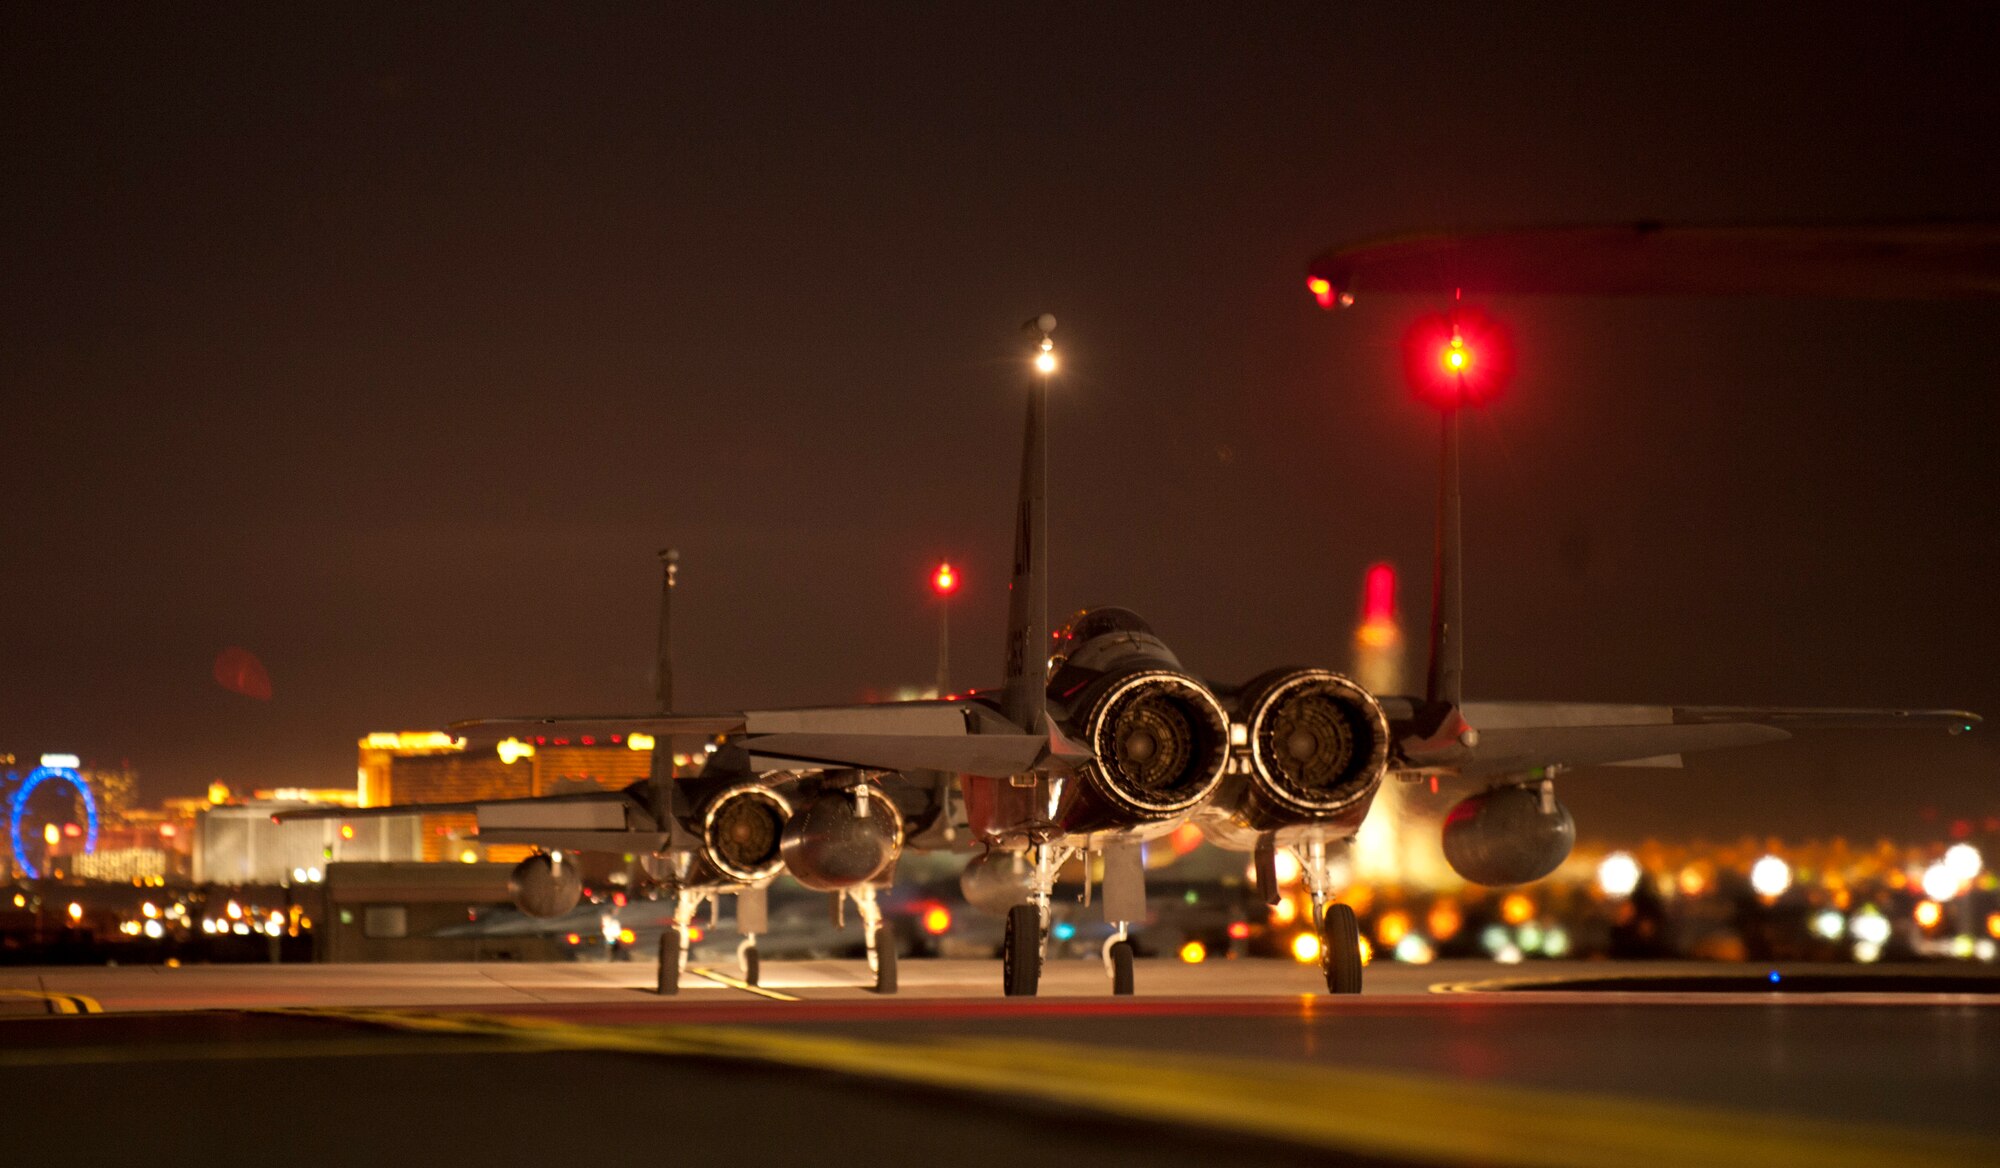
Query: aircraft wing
column 959, row 737
column 605, row 821
column 1516, row 737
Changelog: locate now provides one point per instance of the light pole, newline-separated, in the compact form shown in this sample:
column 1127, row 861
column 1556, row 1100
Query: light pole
column 944, row 582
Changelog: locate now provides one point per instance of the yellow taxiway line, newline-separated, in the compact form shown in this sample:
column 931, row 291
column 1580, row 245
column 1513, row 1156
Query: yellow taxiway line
column 1380, row 1113
column 59, row 1003
column 734, row 983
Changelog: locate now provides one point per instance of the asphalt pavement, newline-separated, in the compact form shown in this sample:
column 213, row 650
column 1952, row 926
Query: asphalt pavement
column 1452, row 1063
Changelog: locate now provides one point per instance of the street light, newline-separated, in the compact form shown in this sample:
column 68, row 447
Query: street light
column 944, row 582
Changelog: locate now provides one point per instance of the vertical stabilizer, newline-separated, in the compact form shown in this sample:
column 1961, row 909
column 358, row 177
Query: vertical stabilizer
column 1444, row 674
column 1023, row 690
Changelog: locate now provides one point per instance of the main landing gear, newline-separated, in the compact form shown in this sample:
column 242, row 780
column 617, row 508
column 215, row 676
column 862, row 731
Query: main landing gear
column 1339, row 932
column 675, row 938
column 879, row 937
column 1026, row 944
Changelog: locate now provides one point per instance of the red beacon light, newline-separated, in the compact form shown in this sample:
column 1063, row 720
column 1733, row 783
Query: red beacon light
column 945, row 580
column 1455, row 359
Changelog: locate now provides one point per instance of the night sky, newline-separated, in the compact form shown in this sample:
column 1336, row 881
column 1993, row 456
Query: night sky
column 390, row 350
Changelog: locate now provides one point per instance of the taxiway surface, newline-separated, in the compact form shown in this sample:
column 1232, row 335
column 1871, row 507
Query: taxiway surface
column 1235, row 1058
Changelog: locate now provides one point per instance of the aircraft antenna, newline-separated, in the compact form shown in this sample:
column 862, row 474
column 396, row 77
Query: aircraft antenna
column 670, row 566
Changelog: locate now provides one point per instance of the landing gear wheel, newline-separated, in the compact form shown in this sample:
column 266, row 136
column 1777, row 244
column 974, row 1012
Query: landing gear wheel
column 748, row 961
column 670, row 960
column 885, row 960
column 1340, row 950
column 1121, row 967
column 1021, row 952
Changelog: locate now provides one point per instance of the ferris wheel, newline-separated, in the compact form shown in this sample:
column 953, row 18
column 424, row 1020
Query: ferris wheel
column 18, row 810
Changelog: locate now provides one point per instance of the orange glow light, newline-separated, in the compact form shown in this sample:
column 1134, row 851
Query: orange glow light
column 1305, row 948
column 1240, row 930
column 1284, row 912
column 1322, row 290
column 1392, row 927
column 937, row 919
column 1517, row 909
column 1444, row 920
column 1993, row 925
column 627, row 937
column 1194, row 953
column 1928, row 913
column 1367, row 951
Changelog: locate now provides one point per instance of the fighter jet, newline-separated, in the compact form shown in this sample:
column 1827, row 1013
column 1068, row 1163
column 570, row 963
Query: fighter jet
column 1096, row 740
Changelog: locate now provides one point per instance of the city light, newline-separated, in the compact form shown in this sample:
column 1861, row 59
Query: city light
column 1828, row 924
column 1964, row 862
column 639, row 740
column 1869, row 926
column 937, row 920
column 1305, row 948
column 1392, row 927
column 1285, row 911
column 1517, row 909
column 511, row 750
column 1928, row 913
column 1194, row 953
column 1286, row 866
column 1618, row 874
column 1940, row 882
column 1444, row 920
column 75, row 911
column 1770, row 876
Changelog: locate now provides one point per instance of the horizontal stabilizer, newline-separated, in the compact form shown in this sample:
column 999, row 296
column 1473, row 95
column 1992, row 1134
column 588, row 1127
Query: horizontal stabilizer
column 487, row 730
column 990, row 755
column 579, row 807
column 1950, row 721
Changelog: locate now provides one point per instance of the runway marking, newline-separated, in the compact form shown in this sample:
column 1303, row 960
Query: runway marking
column 733, row 983
column 59, row 1003
column 1397, row 1115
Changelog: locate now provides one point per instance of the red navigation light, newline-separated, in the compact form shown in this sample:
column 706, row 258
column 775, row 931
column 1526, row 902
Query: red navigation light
column 945, row 580
column 1459, row 358
column 1378, row 594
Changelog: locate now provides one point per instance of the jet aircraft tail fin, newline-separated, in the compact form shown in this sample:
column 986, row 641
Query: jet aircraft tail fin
column 1023, row 690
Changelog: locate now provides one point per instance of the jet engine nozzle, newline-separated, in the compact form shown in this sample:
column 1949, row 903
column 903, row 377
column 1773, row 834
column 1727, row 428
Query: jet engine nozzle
column 1319, row 745
column 1161, row 741
column 830, row 845
column 1512, row 835
column 544, row 886
column 741, row 829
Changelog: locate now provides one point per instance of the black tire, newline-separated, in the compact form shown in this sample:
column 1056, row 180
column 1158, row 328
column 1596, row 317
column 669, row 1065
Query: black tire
column 670, row 961
column 752, row 966
column 885, row 960
column 1340, row 949
column 1121, row 967
column 1021, row 953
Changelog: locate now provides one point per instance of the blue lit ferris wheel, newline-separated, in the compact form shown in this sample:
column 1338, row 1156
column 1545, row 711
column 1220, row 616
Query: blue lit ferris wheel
column 17, row 810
